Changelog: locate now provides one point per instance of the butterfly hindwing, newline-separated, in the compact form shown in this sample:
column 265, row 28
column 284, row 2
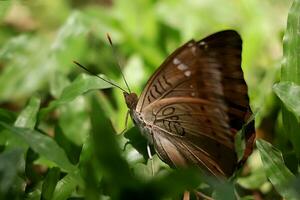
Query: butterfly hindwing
column 198, row 129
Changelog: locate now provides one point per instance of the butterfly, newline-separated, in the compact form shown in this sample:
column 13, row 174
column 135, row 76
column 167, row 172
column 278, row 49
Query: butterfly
column 195, row 103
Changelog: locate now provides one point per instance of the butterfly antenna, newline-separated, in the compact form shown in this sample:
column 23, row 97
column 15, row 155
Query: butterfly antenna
column 118, row 61
column 94, row 74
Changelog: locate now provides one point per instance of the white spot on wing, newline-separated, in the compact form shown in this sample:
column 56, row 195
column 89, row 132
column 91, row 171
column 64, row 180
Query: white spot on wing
column 202, row 43
column 193, row 94
column 176, row 61
column 182, row 67
column 187, row 73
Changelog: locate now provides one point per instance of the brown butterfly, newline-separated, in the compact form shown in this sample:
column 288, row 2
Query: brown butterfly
column 195, row 103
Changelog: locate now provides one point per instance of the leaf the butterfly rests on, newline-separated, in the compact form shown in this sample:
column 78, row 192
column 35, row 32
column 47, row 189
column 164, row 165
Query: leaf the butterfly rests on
column 194, row 104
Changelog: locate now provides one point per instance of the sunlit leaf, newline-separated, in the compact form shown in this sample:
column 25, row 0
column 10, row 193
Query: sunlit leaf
column 28, row 116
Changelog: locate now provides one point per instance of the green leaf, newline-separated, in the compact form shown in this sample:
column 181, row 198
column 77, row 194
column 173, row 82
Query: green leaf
column 144, row 171
column 296, row 186
column 290, row 71
column 174, row 183
column 7, row 116
column 66, row 186
column 10, row 164
column 224, row 191
column 34, row 195
column 254, row 180
column 50, row 182
column 23, row 55
column 289, row 94
column 73, row 151
column 107, row 150
column 70, row 42
column 27, row 117
column 79, row 86
column 137, row 141
column 58, row 81
column 74, row 120
column 43, row 145
column 275, row 169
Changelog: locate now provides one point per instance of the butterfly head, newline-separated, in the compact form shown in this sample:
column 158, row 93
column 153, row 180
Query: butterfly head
column 131, row 100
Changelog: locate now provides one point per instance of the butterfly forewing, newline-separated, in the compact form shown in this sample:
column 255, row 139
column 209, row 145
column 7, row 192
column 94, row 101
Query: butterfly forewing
column 195, row 103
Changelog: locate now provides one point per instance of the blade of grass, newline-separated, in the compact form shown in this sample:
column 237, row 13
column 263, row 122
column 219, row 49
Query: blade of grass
column 290, row 71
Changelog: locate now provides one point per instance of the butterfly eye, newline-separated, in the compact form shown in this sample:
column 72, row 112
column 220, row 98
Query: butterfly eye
column 141, row 118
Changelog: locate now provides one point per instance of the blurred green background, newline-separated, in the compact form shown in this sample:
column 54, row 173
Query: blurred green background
column 41, row 88
column 40, row 39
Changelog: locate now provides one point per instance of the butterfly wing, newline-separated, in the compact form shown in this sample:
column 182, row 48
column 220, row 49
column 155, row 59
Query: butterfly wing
column 196, row 102
column 191, row 131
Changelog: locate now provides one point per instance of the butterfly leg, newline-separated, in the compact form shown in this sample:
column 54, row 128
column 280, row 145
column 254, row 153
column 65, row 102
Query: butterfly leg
column 200, row 195
column 150, row 158
column 126, row 123
column 186, row 195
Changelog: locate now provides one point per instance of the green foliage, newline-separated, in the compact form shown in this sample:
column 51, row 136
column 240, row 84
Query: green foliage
column 275, row 168
column 10, row 165
column 290, row 72
column 58, row 125
column 289, row 94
